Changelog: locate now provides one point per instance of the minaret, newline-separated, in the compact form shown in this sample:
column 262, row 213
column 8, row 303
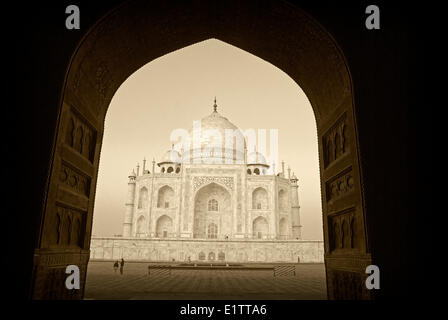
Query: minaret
column 295, row 208
column 151, row 197
column 138, row 169
column 129, row 213
column 144, row 165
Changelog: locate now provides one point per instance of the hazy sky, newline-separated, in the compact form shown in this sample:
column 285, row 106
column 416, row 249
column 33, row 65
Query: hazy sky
column 176, row 89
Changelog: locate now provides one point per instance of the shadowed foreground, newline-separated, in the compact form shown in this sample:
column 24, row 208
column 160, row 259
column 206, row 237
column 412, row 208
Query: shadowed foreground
column 203, row 283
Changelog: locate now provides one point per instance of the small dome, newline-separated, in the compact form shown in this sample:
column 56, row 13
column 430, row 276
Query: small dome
column 132, row 174
column 171, row 156
column 256, row 158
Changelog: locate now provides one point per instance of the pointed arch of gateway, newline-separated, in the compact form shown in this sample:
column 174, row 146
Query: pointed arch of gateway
column 277, row 32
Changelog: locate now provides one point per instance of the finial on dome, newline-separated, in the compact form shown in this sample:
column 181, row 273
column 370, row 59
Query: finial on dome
column 215, row 106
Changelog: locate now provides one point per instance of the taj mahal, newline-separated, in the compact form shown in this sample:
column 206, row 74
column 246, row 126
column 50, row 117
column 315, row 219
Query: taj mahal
column 211, row 199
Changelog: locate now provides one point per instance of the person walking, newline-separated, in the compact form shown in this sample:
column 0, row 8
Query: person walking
column 121, row 266
column 115, row 266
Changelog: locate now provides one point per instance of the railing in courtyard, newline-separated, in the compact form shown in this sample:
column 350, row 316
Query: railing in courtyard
column 166, row 270
column 284, row 271
column 159, row 270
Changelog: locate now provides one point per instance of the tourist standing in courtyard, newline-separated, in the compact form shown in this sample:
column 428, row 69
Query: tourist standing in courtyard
column 121, row 266
column 115, row 266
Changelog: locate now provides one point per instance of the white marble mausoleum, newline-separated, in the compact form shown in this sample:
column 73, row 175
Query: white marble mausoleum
column 211, row 201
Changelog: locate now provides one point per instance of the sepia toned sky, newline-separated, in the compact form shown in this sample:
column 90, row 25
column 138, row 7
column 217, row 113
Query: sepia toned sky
column 176, row 89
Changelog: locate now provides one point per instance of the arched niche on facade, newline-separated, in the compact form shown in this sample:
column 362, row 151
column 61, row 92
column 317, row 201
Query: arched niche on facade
column 283, row 200
column 260, row 228
column 141, row 227
column 143, row 198
column 221, row 256
column 212, row 205
column 165, row 197
column 260, row 199
column 164, row 227
column 283, row 228
column 212, row 231
column 201, row 256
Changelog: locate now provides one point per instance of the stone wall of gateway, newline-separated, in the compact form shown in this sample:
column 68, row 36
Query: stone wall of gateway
column 304, row 251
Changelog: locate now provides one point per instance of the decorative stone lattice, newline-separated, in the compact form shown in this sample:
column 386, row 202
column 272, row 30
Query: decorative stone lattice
column 80, row 136
column 200, row 181
column 340, row 185
column 335, row 141
column 77, row 181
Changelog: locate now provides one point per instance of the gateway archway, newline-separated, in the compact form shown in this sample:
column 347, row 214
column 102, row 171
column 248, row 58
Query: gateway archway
column 279, row 33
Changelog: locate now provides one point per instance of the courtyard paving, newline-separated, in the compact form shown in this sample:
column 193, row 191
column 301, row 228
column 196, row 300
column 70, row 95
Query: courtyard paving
column 204, row 284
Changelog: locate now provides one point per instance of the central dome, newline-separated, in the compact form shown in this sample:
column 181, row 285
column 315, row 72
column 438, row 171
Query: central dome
column 217, row 121
column 214, row 139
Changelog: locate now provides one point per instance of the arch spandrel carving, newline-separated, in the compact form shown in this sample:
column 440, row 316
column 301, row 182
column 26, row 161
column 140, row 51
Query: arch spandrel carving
column 306, row 40
column 199, row 182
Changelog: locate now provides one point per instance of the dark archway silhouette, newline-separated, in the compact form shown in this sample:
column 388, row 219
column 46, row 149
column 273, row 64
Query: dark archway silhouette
column 279, row 33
